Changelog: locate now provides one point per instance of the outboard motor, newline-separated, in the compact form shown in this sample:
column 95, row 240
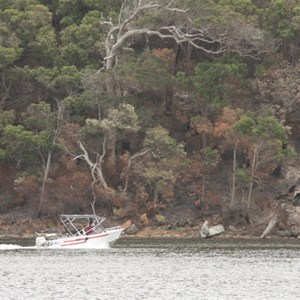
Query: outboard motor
column 39, row 241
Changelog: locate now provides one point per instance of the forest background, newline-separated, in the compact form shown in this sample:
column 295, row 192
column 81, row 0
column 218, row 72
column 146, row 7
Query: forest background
column 159, row 112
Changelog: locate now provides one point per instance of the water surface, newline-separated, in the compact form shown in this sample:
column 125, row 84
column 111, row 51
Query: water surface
column 153, row 269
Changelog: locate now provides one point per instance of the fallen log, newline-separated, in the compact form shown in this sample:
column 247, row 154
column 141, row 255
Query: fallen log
column 270, row 226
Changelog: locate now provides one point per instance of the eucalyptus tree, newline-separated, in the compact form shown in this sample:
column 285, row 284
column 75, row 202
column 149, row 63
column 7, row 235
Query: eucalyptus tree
column 159, row 162
column 280, row 18
column 118, row 121
column 81, row 43
column 257, row 144
column 29, row 25
column 37, row 137
column 179, row 22
column 231, row 138
column 26, row 38
column 6, row 118
column 211, row 88
column 46, row 125
column 265, row 138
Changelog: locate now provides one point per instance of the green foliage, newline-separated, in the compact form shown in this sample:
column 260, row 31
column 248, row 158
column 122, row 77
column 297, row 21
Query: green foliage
column 51, row 50
column 147, row 118
column 243, row 178
column 6, row 117
column 77, row 107
column 244, row 126
column 244, row 7
column 8, row 56
column 287, row 153
column 29, row 23
column 217, row 80
column 159, row 141
column 39, row 117
column 71, row 11
column 264, row 128
column 277, row 18
column 123, row 118
column 148, row 72
column 270, row 128
column 210, row 158
column 81, row 44
column 158, row 175
column 68, row 79
column 44, row 48
column 18, row 143
column 182, row 79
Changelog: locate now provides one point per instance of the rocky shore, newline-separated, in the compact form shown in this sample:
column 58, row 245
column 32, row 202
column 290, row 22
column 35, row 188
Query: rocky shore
column 42, row 227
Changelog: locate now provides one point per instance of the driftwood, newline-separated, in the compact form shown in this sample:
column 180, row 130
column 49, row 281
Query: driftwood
column 270, row 226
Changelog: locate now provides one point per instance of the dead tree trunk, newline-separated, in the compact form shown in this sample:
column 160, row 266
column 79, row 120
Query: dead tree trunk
column 270, row 226
column 96, row 167
column 129, row 166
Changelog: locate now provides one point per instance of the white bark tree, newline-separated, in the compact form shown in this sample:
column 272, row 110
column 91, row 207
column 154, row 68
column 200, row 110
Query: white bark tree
column 123, row 119
column 237, row 37
column 47, row 162
column 96, row 167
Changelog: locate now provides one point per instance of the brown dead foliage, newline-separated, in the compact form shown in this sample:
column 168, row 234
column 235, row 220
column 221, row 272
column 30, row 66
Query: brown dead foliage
column 67, row 162
column 26, row 188
column 68, row 136
column 168, row 56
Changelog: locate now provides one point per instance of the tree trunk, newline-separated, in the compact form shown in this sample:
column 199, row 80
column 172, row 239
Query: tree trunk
column 44, row 185
column 270, row 226
column 111, row 155
column 95, row 167
column 49, row 158
column 128, row 168
column 253, row 169
column 203, row 187
column 232, row 200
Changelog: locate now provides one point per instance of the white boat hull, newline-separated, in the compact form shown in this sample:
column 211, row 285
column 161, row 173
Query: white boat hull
column 97, row 240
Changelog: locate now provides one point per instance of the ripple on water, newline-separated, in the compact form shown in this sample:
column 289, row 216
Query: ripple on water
column 154, row 269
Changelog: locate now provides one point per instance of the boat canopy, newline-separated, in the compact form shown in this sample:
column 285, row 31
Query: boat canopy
column 74, row 217
column 73, row 223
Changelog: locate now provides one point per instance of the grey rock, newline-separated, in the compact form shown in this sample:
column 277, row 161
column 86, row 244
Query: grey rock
column 132, row 229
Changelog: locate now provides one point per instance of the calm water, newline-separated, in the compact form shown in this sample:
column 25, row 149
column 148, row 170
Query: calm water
column 153, row 269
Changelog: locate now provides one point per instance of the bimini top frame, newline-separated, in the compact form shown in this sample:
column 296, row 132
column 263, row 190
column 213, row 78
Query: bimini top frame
column 75, row 222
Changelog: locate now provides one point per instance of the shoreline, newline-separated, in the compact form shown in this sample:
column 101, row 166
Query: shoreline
column 178, row 233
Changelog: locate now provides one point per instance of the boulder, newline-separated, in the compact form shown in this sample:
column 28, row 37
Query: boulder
column 207, row 231
column 127, row 224
column 133, row 229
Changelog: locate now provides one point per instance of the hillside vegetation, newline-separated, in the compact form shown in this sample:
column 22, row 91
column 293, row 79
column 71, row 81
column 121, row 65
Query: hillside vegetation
column 162, row 112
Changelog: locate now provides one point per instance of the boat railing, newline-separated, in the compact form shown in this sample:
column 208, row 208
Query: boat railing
column 97, row 229
column 114, row 228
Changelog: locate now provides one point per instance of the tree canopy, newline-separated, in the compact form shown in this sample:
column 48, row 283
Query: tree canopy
column 152, row 80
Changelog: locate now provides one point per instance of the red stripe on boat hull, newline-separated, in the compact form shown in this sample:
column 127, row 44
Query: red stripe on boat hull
column 81, row 240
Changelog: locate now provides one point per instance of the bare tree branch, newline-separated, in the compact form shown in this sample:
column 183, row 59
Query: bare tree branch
column 142, row 153
column 96, row 169
column 243, row 39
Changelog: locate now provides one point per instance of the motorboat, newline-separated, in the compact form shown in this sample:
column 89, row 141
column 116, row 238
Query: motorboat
column 82, row 231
